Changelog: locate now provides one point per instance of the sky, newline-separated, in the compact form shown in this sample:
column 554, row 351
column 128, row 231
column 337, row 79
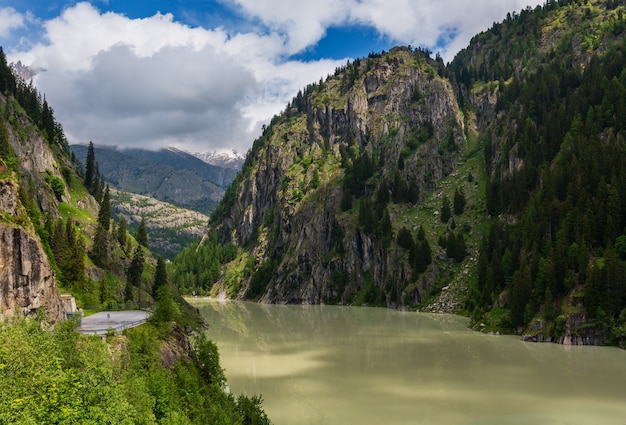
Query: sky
column 205, row 75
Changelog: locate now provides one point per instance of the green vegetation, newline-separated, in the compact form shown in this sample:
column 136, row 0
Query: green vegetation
column 563, row 208
column 54, row 375
column 170, row 228
column 199, row 266
column 62, row 377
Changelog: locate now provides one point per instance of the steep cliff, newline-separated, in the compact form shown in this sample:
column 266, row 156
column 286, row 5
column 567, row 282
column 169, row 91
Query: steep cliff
column 27, row 282
column 322, row 188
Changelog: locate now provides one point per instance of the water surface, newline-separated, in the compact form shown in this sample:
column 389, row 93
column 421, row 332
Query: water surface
column 355, row 365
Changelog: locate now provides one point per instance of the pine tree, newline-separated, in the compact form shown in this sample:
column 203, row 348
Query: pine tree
column 133, row 273
column 519, row 296
column 160, row 277
column 141, row 235
column 104, row 215
column 405, row 239
column 128, row 292
column 100, row 249
column 47, row 121
column 400, row 188
column 384, row 229
column 5, row 147
column 97, row 185
column 422, row 256
column 58, row 240
column 74, row 263
column 121, row 231
column 458, row 202
column 445, row 210
column 90, row 164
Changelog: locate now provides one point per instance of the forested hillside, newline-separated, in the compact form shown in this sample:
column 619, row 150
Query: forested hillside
column 492, row 186
column 553, row 261
column 56, row 234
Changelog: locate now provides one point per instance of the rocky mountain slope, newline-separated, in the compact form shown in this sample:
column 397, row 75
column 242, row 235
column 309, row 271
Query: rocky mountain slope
column 491, row 186
column 27, row 281
column 387, row 128
column 170, row 228
column 169, row 175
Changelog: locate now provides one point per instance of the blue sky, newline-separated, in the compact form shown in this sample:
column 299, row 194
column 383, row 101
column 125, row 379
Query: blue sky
column 205, row 75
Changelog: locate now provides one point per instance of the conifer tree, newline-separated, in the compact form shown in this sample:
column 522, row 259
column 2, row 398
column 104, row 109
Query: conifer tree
column 160, row 277
column 421, row 256
column 405, row 239
column 421, row 234
column 458, row 202
column 121, row 231
column 97, row 185
column 385, row 229
column 445, row 210
column 128, row 291
column 104, row 215
column 100, row 249
column 5, row 147
column 58, row 241
column 133, row 273
column 47, row 121
column 90, row 164
column 142, row 233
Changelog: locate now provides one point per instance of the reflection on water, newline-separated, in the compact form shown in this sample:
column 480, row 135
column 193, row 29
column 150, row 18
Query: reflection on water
column 349, row 365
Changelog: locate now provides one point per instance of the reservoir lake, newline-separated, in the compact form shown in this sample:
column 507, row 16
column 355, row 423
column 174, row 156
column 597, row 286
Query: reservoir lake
column 358, row 365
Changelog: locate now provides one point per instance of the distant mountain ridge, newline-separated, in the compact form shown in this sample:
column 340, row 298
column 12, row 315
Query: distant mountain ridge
column 232, row 160
column 169, row 175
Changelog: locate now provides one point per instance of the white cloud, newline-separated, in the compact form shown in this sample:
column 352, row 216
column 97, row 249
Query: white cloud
column 154, row 81
column 416, row 22
column 304, row 22
column 9, row 20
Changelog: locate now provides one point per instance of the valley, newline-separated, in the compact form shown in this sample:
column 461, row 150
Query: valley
column 389, row 249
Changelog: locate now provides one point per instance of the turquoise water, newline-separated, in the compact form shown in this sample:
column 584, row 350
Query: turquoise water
column 356, row 365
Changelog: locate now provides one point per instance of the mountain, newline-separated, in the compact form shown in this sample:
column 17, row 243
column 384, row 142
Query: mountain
column 232, row 160
column 56, row 235
column 169, row 175
column 493, row 186
column 348, row 165
column 170, row 228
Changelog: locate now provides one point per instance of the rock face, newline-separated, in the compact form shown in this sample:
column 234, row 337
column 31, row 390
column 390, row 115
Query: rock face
column 27, row 281
column 288, row 211
column 575, row 331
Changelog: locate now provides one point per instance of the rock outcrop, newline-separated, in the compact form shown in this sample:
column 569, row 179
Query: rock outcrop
column 27, row 282
column 395, row 110
column 574, row 329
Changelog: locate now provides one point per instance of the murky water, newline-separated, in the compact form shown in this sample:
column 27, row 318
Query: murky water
column 353, row 365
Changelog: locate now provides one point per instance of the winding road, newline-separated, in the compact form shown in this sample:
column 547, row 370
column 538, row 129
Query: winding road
column 100, row 323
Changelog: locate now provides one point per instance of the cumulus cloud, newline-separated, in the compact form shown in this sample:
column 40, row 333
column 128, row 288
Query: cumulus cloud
column 418, row 22
column 154, row 82
column 9, row 20
column 176, row 96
